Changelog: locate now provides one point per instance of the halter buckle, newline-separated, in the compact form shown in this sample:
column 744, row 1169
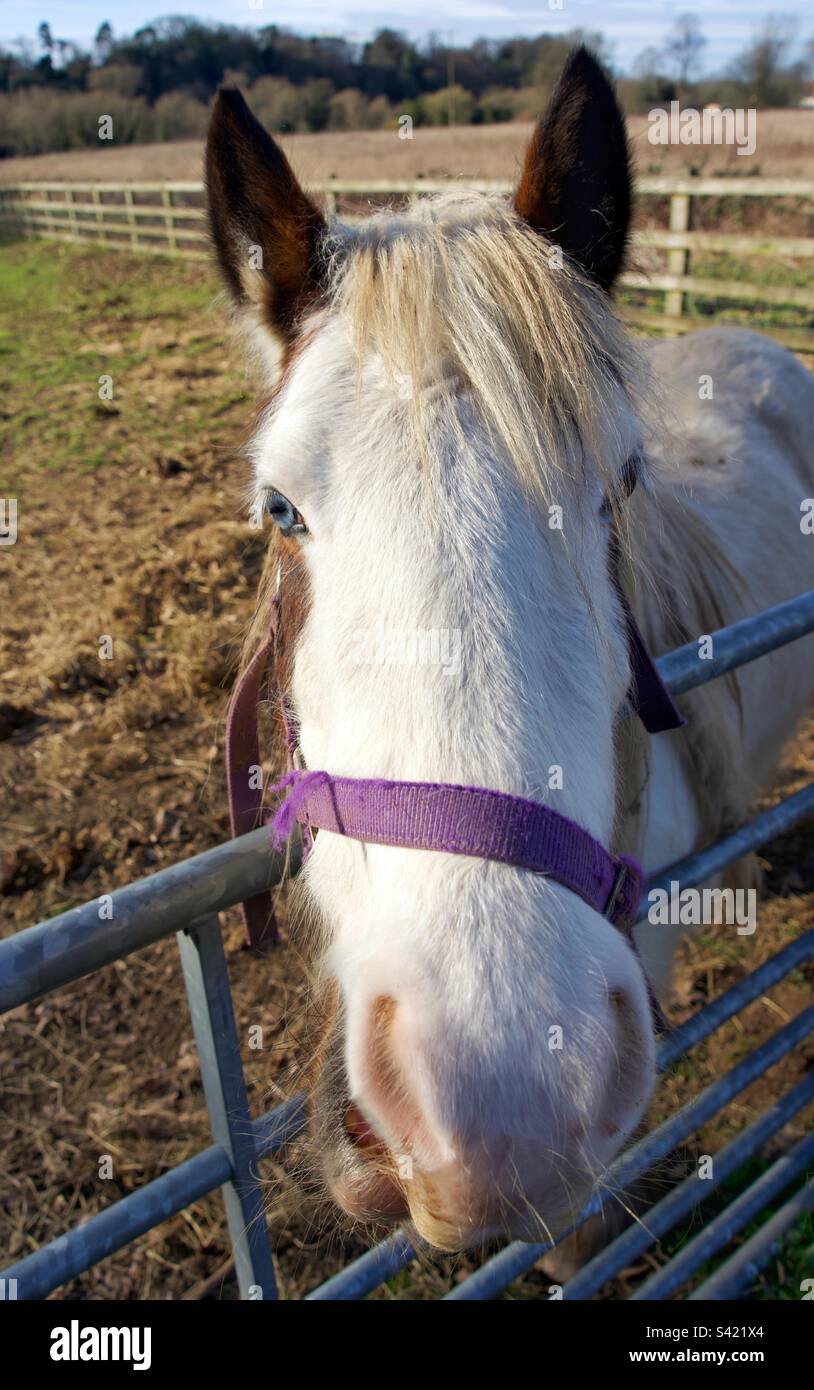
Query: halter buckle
column 616, row 891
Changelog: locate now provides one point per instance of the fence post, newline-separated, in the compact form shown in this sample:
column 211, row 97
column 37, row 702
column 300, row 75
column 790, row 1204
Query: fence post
column 72, row 219
column 100, row 219
column 678, row 261
column 169, row 222
column 51, row 225
column 213, row 1022
column 131, row 217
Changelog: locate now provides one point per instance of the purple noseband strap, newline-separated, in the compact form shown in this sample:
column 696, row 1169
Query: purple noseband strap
column 464, row 820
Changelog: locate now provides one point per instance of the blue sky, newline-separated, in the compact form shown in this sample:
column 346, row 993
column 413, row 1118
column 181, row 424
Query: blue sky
column 630, row 25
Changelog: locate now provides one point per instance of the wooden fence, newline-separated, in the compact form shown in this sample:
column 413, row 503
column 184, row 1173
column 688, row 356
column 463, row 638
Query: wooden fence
column 169, row 219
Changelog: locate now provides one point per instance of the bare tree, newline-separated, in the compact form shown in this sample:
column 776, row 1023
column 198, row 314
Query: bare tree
column 103, row 42
column 765, row 68
column 684, row 47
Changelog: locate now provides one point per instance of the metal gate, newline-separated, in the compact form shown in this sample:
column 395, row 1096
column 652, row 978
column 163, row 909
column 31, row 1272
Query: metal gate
column 186, row 899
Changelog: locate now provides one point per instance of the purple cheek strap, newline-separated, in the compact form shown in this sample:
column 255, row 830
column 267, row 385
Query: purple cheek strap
column 648, row 694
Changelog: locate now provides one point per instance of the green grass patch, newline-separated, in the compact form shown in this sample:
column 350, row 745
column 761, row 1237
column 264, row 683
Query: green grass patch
column 783, row 1273
column 72, row 314
column 759, row 269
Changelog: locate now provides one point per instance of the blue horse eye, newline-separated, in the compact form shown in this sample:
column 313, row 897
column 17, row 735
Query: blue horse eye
column 283, row 513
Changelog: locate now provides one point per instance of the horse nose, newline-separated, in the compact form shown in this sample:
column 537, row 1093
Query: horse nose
column 476, row 1141
column 450, row 1179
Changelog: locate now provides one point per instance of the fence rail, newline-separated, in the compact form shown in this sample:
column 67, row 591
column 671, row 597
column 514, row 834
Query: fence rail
column 186, row 899
column 160, row 218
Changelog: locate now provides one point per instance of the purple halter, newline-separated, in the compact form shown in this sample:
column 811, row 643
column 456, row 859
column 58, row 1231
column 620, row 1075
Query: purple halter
column 436, row 815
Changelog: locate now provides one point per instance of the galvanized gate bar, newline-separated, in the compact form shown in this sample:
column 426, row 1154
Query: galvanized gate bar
column 710, row 1018
column 213, row 1023
column 282, row 1124
column 494, row 1276
column 725, row 1226
column 698, row 867
column 741, row 1269
column 739, row 644
column 682, row 1200
column 55, row 953
column 373, row 1268
column 63, row 1259
column 123, row 1221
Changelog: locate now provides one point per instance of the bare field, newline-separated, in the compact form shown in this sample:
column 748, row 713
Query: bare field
column 785, row 149
column 130, row 525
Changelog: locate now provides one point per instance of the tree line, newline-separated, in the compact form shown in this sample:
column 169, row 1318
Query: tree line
column 156, row 84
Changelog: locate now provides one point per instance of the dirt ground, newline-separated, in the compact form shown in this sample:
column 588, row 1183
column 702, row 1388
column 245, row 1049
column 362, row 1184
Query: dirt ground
column 130, row 527
column 784, row 144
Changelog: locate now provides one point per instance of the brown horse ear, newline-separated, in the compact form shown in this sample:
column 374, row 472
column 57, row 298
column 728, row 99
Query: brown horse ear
column 267, row 233
column 575, row 185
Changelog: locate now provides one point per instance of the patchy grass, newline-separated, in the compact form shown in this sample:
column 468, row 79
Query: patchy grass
column 67, row 323
column 784, row 1273
column 759, row 269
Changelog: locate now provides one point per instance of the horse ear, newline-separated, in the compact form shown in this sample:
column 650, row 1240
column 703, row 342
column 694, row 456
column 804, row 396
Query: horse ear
column 575, row 185
column 266, row 231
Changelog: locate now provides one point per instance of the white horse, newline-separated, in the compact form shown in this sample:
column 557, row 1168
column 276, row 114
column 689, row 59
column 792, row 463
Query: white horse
column 459, row 421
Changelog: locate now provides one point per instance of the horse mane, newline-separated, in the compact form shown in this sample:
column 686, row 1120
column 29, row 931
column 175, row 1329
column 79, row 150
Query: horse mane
column 459, row 287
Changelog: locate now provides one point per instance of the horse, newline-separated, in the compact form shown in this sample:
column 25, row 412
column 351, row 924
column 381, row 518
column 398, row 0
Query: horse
column 465, row 452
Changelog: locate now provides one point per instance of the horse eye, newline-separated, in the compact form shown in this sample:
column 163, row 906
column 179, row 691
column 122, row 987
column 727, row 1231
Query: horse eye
column 283, row 513
column 628, row 478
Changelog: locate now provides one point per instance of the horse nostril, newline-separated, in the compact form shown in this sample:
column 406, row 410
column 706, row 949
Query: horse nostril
column 358, row 1130
column 385, row 1053
column 618, row 1004
column 628, row 1081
